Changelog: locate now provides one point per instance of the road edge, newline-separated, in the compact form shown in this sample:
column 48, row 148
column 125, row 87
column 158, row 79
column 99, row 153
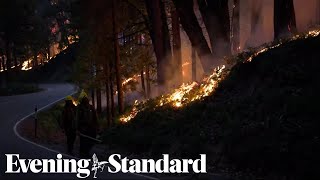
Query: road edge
column 52, row 150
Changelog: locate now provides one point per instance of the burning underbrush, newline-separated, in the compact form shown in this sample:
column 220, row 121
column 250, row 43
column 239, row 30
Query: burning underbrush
column 258, row 119
column 194, row 91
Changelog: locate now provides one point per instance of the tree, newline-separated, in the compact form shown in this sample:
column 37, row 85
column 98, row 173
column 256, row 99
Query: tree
column 16, row 19
column 191, row 26
column 176, row 44
column 38, row 37
column 318, row 10
column 284, row 18
column 117, row 58
column 160, row 38
column 255, row 15
column 236, row 26
column 215, row 15
column 194, row 64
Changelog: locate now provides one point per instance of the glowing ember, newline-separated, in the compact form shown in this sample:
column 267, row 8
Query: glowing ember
column 186, row 64
column 126, row 81
column 130, row 79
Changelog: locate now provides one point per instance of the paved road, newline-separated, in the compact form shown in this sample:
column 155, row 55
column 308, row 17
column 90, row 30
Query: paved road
column 12, row 110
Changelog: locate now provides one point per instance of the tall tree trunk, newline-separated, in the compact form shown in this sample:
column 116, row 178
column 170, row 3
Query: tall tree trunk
column 176, row 43
column 236, row 26
column 194, row 64
column 35, row 59
column 284, row 18
column 99, row 103
column 14, row 53
column 318, row 11
column 93, row 98
column 108, row 95
column 8, row 55
column 8, row 64
column 1, row 60
column 48, row 51
column 190, row 24
column 117, row 58
column 112, row 93
column 148, row 81
column 3, row 63
column 112, row 103
column 160, row 38
column 3, row 77
column 255, row 15
column 215, row 15
column 143, row 85
column 108, row 105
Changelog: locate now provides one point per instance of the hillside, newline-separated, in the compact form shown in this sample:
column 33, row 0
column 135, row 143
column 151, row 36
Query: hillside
column 58, row 69
column 261, row 120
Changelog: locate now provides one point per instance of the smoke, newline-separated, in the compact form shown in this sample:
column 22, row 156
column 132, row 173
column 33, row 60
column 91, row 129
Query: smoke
column 256, row 28
column 306, row 17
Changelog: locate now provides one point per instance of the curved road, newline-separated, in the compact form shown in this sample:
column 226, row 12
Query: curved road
column 15, row 108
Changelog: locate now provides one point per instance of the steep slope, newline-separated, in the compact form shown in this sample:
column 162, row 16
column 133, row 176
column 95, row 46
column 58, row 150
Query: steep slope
column 262, row 120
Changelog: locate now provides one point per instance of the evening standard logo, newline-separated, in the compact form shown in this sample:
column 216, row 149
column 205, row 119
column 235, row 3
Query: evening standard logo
column 115, row 164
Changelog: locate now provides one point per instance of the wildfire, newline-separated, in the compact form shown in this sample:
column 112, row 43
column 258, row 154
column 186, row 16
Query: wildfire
column 182, row 96
column 26, row 65
column 194, row 91
column 132, row 114
column 133, row 78
column 177, row 98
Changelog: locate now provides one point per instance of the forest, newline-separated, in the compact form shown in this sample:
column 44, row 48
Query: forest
column 234, row 79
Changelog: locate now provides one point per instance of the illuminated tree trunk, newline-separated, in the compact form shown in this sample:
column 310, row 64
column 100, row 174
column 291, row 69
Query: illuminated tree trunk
column 215, row 15
column 318, row 11
column 99, row 105
column 117, row 58
column 190, row 24
column 48, row 51
column 148, row 81
column 176, row 43
column 93, row 98
column 108, row 106
column 143, row 85
column 255, row 15
column 112, row 93
column 160, row 38
column 8, row 56
column 15, row 58
column 194, row 64
column 108, row 95
column 1, row 62
column 35, row 59
column 3, row 77
column 284, row 18
column 236, row 26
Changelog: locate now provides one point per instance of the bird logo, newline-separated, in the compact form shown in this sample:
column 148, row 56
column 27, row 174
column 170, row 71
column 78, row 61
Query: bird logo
column 97, row 165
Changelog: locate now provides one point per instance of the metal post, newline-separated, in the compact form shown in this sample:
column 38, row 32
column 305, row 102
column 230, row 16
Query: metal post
column 35, row 121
